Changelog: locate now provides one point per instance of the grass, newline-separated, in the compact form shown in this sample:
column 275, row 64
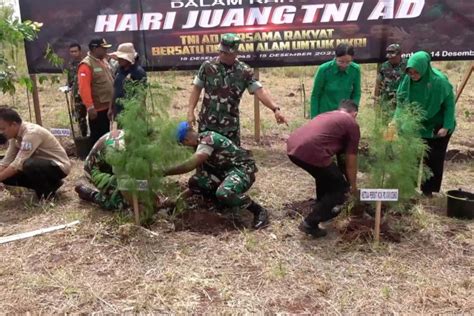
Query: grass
column 105, row 265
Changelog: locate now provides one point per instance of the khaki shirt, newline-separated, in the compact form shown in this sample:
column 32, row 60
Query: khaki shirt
column 34, row 141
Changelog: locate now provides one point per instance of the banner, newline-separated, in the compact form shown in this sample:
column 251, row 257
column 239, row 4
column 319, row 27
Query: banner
column 181, row 34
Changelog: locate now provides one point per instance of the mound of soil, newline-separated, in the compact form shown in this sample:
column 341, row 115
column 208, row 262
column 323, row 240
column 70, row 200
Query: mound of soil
column 359, row 228
column 207, row 222
column 204, row 217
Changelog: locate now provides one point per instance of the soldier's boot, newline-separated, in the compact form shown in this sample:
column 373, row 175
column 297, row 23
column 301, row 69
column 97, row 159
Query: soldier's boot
column 260, row 215
column 86, row 193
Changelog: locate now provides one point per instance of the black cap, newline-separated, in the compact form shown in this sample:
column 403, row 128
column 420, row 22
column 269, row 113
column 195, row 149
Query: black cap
column 99, row 42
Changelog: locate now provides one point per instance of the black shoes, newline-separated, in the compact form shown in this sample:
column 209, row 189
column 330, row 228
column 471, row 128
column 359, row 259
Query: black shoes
column 85, row 193
column 314, row 231
column 260, row 216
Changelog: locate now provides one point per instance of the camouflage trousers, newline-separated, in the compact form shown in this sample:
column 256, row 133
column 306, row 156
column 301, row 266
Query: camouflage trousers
column 227, row 188
column 81, row 117
column 108, row 195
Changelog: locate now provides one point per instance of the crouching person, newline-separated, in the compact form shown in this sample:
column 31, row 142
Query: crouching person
column 313, row 147
column 34, row 158
column 105, row 192
column 225, row 171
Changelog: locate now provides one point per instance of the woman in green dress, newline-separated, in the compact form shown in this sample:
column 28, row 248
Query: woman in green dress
column 431, row 90
column 336, row 80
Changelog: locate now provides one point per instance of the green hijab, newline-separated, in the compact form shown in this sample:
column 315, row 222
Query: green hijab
column 430, row 91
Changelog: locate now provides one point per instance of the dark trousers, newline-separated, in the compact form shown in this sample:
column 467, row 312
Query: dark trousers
column 434, row 159
column 41, row 175
column 331, row 188
column 99, row 126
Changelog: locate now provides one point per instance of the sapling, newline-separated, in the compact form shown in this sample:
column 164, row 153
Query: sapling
column 395, row 150
column 150, row 146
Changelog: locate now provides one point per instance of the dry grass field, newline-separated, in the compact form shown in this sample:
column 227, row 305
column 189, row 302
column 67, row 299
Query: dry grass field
column 207, row 263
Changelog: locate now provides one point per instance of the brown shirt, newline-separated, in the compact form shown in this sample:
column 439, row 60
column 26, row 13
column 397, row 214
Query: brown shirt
column 326, row 135
column 34, row 141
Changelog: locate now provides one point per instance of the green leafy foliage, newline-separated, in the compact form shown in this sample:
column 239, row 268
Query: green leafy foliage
column 151, row 147
column 393, row 161
column 13, row 33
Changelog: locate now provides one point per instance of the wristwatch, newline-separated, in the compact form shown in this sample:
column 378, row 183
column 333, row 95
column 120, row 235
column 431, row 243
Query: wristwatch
column 276, row 109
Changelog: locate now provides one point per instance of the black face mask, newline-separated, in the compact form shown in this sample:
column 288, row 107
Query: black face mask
column 3, row 139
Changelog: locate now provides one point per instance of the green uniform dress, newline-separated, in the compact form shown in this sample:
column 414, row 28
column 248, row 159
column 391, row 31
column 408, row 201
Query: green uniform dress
column 223, row 88
column 227, row 174
column 332, row 85
column 434, row 95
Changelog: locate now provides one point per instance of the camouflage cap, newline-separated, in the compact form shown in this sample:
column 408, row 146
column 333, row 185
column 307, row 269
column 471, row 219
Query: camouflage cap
column 229, row 43
column 393, row 50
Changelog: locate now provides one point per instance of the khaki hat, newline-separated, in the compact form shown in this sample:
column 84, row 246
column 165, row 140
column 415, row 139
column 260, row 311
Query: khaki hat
column 393, row 50
column 126, row 51
column 229, row 43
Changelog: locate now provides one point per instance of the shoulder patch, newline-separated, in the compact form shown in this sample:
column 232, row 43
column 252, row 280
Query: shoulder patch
column 26, row 146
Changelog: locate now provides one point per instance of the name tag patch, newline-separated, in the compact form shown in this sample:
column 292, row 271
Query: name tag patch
column 26, row 146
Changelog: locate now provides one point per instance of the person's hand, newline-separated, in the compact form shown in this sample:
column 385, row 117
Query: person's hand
column 92, row 113
column 280, row 118
column 191, row 118
column 110, row 114
column 442, row 132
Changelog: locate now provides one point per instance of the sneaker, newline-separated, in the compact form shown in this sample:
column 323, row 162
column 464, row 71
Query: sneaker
column 85, row 193
column 314, row 231
column 260, row 216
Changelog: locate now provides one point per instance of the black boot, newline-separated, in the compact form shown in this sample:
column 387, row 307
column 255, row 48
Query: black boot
column 85, row 193
column 260, row 215
column 314, row 231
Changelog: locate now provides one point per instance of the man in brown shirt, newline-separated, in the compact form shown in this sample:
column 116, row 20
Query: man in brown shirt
column 34, row 158
column 313, row 147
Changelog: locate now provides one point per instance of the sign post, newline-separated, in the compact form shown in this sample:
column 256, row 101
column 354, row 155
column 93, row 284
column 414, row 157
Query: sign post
column 378, row 196
column 256, row 104
column 141, row 185
column 464, row 81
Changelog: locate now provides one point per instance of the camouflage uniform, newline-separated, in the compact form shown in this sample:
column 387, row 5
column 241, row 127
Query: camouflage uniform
column 79, row 108
column 390, row 77
column 227, row 174
column 223, row 88
column 100, row 173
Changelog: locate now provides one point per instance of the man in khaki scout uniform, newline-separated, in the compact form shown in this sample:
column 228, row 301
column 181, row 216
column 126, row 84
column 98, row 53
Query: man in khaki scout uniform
column 34, row 158
column 96, row 87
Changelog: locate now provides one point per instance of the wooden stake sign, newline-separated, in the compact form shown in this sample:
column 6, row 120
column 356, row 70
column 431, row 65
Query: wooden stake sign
column 378, row 195
column 140, row 185
column 256, row 105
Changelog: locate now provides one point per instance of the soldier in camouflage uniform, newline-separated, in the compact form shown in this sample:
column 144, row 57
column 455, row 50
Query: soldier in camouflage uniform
column 224, row 80
column 390, row 75
column 100, row 174
column 79, row 108
column 227, row 171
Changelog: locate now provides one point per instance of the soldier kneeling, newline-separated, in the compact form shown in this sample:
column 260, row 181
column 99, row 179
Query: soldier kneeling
column 225, row 171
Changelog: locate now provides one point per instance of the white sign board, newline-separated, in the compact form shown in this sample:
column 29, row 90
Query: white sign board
column 379, row 194
column 61, row 132
column 127, row 185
